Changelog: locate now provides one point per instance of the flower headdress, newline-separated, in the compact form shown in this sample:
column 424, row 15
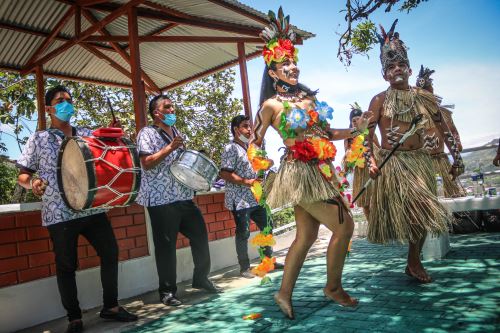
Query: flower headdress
column 424, row 77
column 279, row 38
column 392, row 48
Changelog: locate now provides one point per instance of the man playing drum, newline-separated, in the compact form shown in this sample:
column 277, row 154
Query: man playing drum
column 170, row 203
column 237, row 171
column 64, row 224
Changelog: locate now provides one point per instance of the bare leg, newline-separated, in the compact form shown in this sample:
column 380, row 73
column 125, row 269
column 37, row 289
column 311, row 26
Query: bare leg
column 415, row 267
column 327, row 214
column 306, row 234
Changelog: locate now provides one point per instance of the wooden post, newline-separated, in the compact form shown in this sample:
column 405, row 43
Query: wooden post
column 40, row 99
column 135, row 66
column 244, row 81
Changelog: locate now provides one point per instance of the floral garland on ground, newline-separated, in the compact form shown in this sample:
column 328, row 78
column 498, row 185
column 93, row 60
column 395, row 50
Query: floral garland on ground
column 260, row 163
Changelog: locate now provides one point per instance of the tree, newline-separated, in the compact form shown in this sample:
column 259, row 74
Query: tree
column 360, row 34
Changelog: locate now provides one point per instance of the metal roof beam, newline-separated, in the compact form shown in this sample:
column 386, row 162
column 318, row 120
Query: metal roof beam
column 45, row 34
column 121, row 51
column 105, row 21
column 50, row 38
column 210, row 71
column 177, row 39
column 240, row 11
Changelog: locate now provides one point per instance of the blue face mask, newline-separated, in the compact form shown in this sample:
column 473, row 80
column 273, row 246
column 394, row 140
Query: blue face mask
column 64, row 111
column 170, row 119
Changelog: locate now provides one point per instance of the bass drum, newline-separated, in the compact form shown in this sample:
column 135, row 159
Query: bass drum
column 194, row 170
column 98, row 172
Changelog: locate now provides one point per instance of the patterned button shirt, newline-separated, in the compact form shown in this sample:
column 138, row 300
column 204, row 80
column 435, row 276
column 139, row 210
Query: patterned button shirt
column 234, row 159
column 40, row 156
column 158, row 186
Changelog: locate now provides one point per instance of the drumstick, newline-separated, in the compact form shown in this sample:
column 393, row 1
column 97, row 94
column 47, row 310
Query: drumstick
column 111, row 109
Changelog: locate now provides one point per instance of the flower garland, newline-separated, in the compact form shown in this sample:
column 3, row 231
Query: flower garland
column 357, row 155
column 260, row 163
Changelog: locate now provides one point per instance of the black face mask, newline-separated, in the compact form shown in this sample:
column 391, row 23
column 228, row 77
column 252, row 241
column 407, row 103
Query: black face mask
column 287, row 87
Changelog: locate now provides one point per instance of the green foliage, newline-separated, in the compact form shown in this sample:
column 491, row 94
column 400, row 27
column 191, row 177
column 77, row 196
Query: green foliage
column 8, row 179
column 410, row 4
column 363, row 37
column 283, row 217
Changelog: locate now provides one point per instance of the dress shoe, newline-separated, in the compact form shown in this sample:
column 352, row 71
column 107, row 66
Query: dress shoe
column 207, row 285
column 170, row 299
column 120, row 315
column 278, row 265
column 75, row 326
column 247, row 274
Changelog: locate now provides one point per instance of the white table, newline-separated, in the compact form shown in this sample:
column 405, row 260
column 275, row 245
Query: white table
column 437, row 247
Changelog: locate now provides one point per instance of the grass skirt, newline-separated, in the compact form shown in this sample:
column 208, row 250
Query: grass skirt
column 442, row 166
column 404, row 206
column 360, row 177
column 297, row 182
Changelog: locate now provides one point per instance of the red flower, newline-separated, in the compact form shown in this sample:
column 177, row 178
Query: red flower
column 267, row 54
column 313, row 116
column 279, row 53
column 287, row 45
column 303, row 151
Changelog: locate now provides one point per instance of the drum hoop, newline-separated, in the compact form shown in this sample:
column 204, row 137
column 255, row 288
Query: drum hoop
column 89, row 167
column 134, row 190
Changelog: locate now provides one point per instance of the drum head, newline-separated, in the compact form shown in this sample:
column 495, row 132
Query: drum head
column 188, row 177
column 75, row 182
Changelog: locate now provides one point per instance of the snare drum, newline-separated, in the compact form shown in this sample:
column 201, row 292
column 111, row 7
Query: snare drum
column 194, row 170
column 99, row 171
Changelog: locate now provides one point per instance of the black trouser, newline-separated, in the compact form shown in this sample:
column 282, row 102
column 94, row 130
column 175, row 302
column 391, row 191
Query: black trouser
column 97, row 230
column 166, row 222
column 242, row 219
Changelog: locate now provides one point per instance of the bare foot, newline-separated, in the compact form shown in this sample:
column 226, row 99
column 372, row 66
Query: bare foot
column 340, row 296
column 418, row 273
column 285, row 306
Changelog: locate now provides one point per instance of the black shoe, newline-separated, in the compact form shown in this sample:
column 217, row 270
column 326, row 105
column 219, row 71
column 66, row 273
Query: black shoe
column 247, row 274
column 122, row 315
column 170, row 299
column 76, row 326
column 207, row 285
column 278, row 265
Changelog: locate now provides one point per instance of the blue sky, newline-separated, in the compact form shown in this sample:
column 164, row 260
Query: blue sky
column 457, row 38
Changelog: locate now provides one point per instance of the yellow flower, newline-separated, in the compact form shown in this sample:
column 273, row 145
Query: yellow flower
column 264, row 267
column 263, row 240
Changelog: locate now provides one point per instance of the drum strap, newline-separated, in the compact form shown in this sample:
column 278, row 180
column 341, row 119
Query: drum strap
column 165, row 136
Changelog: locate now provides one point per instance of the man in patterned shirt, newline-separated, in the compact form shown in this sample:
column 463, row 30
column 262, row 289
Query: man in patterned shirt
column 170, row 203
column 64, row 224
column 237, row 171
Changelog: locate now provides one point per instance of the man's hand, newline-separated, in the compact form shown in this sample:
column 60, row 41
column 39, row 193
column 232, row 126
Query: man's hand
column 38, row 186
column 456, row 171
column 249, row 182
column 496, row 160
column 176, row 143
column 115, row 123
column 363, row 123
column 374, row 171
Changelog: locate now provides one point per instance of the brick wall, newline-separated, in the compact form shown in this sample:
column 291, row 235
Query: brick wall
column 26, row 250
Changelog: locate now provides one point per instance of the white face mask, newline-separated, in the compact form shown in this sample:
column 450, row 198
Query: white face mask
column 243, row 138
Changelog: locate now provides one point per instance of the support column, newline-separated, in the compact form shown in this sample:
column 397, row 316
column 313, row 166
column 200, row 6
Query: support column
column 244, row 81
column 135, row 66
column 40, row 99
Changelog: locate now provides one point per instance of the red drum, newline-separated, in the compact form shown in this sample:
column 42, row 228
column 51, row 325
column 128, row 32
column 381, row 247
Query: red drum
column 98, row 171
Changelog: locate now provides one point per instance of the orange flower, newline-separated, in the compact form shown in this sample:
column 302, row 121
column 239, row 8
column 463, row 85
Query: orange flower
column 313, row 117
column 324, row 148
column 264, row 267
column 263, row 240
column 261, row 163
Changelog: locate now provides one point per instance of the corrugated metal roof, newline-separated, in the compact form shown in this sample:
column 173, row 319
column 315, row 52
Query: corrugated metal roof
column 24, row 25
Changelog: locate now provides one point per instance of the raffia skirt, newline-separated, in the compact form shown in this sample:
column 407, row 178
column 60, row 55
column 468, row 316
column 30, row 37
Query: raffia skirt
column 298, row 183
column 404, row 206
column 360, row 177
column 442, row 166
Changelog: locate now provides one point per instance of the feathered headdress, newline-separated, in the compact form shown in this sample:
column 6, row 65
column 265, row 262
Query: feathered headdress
column 356, row 111
column 391, row 47
column 424, row 77
column 279, row 38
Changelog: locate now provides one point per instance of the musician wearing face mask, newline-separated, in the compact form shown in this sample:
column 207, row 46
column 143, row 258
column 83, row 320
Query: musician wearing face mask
column 237, row 171
column 38, row 171
column 170, row 203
